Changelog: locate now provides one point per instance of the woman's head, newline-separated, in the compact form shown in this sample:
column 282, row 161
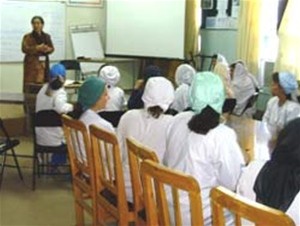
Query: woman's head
column 151, row 71
column 37, row 23
column 283, row 84
column 110, row 75
column 206, row 98
column 92, row 94
column 57, row 76
column 158, row 93
column 184, row 74
column 207, row 89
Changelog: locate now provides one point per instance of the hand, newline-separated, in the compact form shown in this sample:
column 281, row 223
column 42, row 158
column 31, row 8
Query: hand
column 47, row 49
column 139, row 84
column 40, row 47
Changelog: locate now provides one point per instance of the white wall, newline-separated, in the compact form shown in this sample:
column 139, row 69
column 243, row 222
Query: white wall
column 11, row 74
column 218, row 41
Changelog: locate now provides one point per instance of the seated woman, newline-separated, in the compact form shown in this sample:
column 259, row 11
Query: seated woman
column 199, row 145
column 148, row 125
column 92, row 97
column 135, row 99
column 282, row 107
column 276, row 183
column 244, row 85
column 52, row 96
column 111, row 76
column 184, row 75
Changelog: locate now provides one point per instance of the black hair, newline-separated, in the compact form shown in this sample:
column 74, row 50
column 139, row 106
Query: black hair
column 56, row 84
column 275, row 79
column 203, row 122
column 39, row 18
column 215, row 56
column 77, row 111
column 155, row 111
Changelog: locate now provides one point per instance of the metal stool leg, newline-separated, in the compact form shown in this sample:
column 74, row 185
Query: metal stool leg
column 17, row 164
column 2, row 168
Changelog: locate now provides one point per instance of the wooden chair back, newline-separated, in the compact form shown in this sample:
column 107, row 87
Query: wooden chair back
column 244, row 208
column 157, row 210
column 110, row 187
column 136, row 154
column 82, row 167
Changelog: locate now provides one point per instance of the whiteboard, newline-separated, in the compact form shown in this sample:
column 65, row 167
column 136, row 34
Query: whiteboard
column 146, row 28
column 16, row 22
column 87, row 44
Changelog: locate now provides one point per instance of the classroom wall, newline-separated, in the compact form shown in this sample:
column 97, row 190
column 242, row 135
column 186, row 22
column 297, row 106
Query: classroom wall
column 11, row 74
column 218, row 41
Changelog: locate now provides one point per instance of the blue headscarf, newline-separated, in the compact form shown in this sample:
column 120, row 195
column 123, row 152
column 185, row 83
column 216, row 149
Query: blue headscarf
column 57, row 70
column 288, row 82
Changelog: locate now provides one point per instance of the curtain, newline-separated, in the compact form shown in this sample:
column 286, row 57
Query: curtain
column 289, row 40
column 248, row 35
column 192, row 28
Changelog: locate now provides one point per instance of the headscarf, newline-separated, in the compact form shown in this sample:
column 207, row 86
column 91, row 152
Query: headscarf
column 151, row 71
column 278, row 182
column 110, row 75
column 222, row 70
column 288, row 82
column 221, row 59
column 90, row 92
column 57, row 70
column 207, row 89
column 184, row 74
column 159, row 91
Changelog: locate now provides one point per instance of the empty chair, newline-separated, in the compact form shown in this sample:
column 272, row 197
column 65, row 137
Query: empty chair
column 241, row 207
column 157, row 211
column 110, row 189
column 81, row 160
column 136, row 154
column 8, row 144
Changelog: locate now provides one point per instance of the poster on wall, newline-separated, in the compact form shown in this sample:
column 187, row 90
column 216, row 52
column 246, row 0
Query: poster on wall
column 97, row 3
column 221, row 14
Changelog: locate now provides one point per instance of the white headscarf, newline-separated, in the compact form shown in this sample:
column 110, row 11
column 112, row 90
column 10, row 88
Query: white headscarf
column 221, row 59
column 184, row 74
column 110, row 75
column 159, row 91
column 222, row 70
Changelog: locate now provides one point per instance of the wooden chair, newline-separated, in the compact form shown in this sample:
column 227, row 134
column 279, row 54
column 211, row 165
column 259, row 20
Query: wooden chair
column 157, row 211
column 110, row 189
column 136, row 154
column 82, row 168
column 241, row 207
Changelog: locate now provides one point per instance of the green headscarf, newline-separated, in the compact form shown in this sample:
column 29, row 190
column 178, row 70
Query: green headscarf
column 90, row 92
column 207, row 89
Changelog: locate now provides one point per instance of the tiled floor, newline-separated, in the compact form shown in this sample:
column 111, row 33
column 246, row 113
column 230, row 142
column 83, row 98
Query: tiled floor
column 51, row 204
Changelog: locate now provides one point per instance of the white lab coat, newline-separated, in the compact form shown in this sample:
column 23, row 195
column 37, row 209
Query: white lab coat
column 90, row 117
column 116, row 101
column 276, row 117
column 246, row 184
column 181, row 99
column 213, row 159
column 51, row 136
column 149, row 131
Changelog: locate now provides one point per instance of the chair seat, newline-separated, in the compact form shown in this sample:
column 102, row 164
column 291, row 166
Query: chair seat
column 113, row 199
column 7, row 145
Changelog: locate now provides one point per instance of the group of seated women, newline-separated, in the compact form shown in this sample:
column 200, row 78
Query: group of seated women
column 197, row 141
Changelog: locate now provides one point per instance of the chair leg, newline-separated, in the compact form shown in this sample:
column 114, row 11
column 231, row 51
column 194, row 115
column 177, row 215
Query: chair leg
column 17, row 164
column 2, row 168
column 34, row 162
column 78, row 208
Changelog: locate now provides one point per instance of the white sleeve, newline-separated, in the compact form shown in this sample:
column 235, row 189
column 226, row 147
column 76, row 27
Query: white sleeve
column 122, row 138
column 60, row 103
column 230, row 164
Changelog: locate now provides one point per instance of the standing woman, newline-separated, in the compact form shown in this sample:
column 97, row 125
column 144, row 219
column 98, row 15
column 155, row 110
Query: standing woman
column 36, row 45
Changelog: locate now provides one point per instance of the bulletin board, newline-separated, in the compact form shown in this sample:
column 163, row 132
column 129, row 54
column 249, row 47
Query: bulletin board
column 16, row 22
